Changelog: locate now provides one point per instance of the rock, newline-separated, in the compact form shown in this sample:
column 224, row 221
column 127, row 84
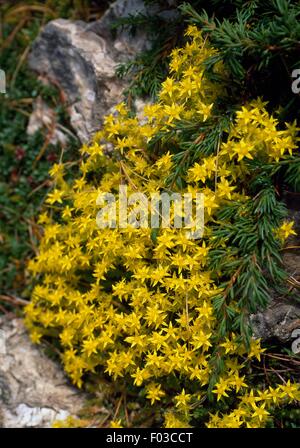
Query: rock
column 43, row 117
column 278, row 321
column 34, row 391
column 282, row 316
column 82, row 58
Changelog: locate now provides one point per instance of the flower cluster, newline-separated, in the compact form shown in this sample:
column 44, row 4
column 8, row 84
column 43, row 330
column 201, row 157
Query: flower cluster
column 136, row 304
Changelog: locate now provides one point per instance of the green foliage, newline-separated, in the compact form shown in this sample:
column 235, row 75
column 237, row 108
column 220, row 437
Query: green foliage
column 293, row 176
column 258, row 43
column 149, row 68
column 24, row 160
column 165, row 32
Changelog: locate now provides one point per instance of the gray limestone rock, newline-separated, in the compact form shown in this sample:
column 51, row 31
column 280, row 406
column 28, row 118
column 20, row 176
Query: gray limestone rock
column 282, row 316
column 82, row 58
column 34, row 391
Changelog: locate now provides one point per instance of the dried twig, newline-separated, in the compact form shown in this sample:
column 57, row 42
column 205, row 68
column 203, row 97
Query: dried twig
column 13, row 300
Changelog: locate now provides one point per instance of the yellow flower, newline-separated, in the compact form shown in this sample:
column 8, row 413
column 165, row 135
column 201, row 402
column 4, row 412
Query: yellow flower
column 55, row 196
column 255, row 349
column 140, row 376
column 243, row 149
column 221, row 388
column 205, row 110
column 90, row 346
column 173, row 421
column 238, row 382
column 44, row 218
column 182, row 400
column 224, row 188
column 286, row 229
column 154, row 392
column 260, row 412
column 250, row 399
column 173, row 112
column 57, row 170
column 168, row 87
column 116, row 423
column 290, row 390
